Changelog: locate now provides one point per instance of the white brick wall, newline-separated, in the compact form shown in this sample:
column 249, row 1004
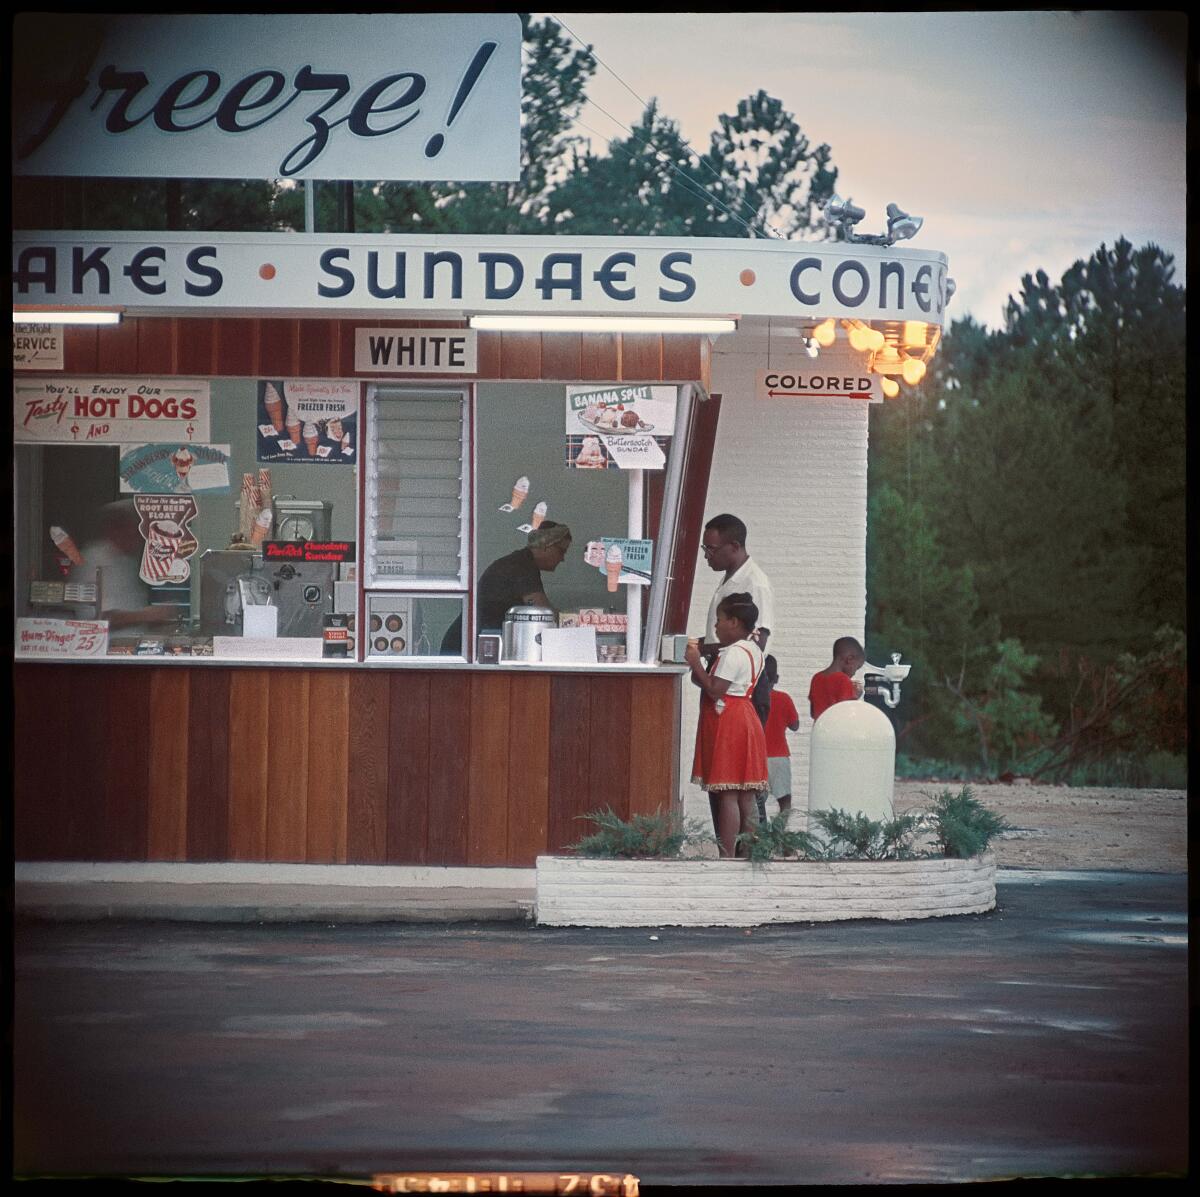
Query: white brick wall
column 795, row 471
column 573, row 892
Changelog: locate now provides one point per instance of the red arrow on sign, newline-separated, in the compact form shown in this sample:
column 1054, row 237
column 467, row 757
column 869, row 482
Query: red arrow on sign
column 819, row 394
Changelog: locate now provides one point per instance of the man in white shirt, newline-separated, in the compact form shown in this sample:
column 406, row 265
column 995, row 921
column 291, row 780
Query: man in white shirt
column 724, row 547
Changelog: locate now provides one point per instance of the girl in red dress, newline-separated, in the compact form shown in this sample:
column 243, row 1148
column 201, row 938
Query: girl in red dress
column 731, row 750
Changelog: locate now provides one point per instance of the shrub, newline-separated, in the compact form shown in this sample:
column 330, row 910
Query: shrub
column 855, row 837
column 771, row 840
column 961, row 824
column 659, row 836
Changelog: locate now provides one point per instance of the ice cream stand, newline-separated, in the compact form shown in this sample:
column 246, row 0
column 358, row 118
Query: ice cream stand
column 258, row 476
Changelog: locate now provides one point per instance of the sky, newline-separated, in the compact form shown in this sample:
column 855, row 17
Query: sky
column 1025, row 139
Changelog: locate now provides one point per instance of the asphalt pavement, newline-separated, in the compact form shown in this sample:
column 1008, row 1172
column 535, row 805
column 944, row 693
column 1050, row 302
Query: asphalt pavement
column 1047, row 1038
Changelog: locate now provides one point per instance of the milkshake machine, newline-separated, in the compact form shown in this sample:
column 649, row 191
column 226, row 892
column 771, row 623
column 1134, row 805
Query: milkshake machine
column 233, row 579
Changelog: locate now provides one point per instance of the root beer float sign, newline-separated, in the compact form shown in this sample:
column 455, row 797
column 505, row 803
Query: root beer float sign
column 373, row 274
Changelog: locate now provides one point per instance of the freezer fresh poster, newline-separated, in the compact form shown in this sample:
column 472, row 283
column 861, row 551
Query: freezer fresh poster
column 308, row 423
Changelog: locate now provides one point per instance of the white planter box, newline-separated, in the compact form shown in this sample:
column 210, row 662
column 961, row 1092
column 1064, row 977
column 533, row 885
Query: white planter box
column 577, row 892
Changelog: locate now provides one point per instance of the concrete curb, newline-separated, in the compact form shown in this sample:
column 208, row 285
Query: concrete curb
column 266, row 903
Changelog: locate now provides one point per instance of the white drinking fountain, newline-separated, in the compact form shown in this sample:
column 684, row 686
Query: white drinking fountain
column 852, row 758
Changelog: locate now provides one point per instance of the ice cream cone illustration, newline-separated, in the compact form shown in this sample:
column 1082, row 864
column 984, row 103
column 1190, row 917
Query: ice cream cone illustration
column 274, row 404
column 612, row 566
column 182, row 459
column 539, row 514
column 520, row 492
column 262, row 526
column 64, row 544
column 311, row 436
column 293, row 429
column 333, row 430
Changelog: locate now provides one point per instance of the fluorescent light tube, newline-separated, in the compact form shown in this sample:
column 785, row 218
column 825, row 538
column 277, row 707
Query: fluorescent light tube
column 71, row 316
column 631, row 324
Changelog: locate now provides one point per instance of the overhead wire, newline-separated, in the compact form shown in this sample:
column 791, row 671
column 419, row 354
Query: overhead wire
column 692, row 186
column 683, row 141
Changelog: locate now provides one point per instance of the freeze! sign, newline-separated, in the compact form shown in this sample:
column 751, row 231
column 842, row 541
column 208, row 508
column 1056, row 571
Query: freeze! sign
column 253, row 95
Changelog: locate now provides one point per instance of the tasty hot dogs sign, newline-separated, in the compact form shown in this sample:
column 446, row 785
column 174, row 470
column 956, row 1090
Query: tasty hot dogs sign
column 110, row 411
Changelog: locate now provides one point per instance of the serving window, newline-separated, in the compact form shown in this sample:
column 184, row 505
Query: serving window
column 171, row 517
column 219, row 518
column 579, row 456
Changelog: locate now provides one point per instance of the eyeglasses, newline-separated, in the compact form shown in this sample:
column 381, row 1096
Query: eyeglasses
column 709, row 549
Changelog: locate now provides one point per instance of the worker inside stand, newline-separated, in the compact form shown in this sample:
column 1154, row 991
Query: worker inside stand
column 515, row 580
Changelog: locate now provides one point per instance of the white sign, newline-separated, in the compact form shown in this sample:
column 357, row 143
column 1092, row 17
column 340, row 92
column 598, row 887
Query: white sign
column 251, row 95
column 415, row 350
column 634, row 452
column 636, row 559
column 411, row 276
column 69, row 638
column 110, row 411
column 620, row 410
column 37, row 346
column 829, row 376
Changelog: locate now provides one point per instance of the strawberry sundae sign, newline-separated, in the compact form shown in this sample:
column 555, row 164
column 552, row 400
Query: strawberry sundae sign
column 110, row 411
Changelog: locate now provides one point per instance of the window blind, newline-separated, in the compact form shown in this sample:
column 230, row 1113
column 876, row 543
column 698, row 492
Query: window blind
column 416, row 518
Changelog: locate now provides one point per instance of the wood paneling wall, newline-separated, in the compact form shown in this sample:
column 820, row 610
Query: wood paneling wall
column 322, row 348
column 206, row 763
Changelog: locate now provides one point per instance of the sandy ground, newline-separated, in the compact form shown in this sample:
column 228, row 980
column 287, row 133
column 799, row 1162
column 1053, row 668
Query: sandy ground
column 1061, row 827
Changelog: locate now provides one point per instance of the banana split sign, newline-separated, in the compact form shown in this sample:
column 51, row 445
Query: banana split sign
column 253, row 95
column 394, row 276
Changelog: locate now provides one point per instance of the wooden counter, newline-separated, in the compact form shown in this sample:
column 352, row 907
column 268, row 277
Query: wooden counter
column 348, row 766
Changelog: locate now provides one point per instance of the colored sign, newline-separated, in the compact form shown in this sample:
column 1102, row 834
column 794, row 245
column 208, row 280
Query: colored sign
column 415, row 350
column 227, row 95
column 423, row 275
column 72, row 638
column 37, row 347
column 110, row 411
column 163, row 523
column 160, row 469
column 308, row 423
column 829, row 376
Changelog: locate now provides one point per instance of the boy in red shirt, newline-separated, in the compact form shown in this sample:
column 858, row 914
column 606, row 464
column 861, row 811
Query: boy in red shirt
column 833, row 684
column 782, row 718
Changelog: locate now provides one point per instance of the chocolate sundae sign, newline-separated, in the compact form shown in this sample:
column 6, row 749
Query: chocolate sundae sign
column 626, row 424
column 163, row 523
